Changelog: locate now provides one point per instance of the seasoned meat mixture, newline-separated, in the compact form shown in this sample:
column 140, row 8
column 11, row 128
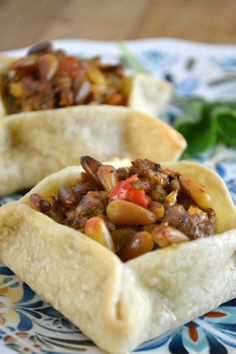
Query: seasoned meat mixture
column 132, row 210
column 47, row 79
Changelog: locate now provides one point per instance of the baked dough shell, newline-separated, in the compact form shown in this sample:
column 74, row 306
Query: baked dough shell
column 121, row 305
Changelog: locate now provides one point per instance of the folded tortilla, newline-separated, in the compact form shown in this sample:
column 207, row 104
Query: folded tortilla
column 120, row 305
column 35, row 144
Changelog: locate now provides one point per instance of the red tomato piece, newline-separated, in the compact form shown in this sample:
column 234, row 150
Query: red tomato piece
column 130, row 191
column 68, row 65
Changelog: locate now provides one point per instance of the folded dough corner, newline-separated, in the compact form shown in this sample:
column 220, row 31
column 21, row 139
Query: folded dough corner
column 120, row 305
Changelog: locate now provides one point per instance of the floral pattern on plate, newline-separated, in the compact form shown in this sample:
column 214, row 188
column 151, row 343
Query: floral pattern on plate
column 28, row 324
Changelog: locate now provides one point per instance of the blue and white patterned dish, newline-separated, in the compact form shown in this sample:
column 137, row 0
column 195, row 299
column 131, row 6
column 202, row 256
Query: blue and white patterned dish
column 28, row 324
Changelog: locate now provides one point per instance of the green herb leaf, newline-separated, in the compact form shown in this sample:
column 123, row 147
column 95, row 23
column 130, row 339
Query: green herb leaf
column 205, row 124
column 200, row 135
column 227, row 127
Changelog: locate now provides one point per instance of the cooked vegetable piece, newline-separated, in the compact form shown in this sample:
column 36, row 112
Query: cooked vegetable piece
column 130, row 190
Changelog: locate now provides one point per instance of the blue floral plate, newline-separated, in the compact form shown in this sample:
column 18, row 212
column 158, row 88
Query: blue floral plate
column 28, row 324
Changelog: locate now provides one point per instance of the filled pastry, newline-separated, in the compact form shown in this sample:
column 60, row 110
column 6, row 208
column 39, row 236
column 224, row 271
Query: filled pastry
column 126, row 250
column 56, row 107
column 46, row 78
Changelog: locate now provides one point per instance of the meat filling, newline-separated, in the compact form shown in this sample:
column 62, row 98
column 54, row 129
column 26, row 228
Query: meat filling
column 132, row 210
column 47, row 79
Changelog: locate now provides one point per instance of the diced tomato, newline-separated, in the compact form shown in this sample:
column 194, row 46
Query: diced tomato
column 129, row 190
column 68, row 65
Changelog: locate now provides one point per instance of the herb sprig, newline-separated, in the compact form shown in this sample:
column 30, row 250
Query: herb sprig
column 206, row 124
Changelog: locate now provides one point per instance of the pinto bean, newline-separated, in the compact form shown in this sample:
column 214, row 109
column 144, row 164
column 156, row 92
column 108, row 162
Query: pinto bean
column 128, row 213
column 139, row 244
column 38, row 203
column 121, row 236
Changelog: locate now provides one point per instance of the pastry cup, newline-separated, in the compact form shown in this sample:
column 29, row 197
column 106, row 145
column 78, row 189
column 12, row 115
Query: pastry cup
column 120, row 305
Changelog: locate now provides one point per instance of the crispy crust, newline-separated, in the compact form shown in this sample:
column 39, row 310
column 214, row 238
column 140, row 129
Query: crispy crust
column 133, row 301
column 36, row 144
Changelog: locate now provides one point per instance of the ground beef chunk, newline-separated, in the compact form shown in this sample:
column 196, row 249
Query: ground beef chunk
column 176, row 216
column 193, row 225
column 203, row 226
column 123, row 173
column 142, row 167
column 83, row 187
column 57, row 212
column 93, row 203
column 150, row 171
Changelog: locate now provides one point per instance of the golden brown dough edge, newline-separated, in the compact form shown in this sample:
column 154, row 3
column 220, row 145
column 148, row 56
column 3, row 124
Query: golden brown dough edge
column 35, row 144
column 135, row 301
